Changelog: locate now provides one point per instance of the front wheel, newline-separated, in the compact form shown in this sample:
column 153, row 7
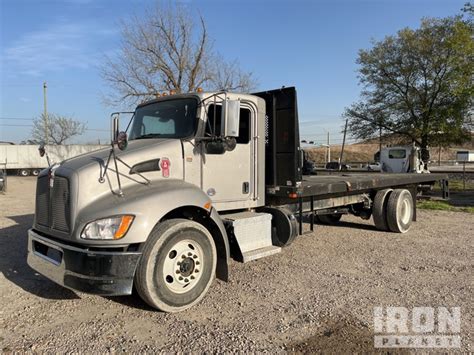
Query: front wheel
column 177, row 266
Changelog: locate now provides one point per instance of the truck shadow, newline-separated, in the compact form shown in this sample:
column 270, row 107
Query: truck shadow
column 346, row 224
column 13, row 253
column 342, row 224
column 132, row 301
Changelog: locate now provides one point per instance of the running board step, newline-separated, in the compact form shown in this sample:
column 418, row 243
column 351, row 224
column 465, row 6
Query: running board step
column 260, row 253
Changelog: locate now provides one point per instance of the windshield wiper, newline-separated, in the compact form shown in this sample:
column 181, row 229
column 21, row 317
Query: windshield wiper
column 149, row 135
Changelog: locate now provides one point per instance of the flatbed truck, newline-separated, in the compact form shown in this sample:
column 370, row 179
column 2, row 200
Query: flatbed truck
column 196, row 180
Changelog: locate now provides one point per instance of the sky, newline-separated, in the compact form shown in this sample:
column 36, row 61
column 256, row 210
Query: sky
column 312, row 45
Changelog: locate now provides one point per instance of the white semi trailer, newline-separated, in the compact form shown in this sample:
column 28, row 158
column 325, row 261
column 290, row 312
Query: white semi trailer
column 24, row 160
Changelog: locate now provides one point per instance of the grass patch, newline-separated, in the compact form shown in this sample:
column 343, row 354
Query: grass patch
column 442, row 206
column 456, row 185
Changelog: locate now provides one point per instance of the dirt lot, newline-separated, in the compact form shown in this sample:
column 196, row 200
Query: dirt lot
column 318, row 294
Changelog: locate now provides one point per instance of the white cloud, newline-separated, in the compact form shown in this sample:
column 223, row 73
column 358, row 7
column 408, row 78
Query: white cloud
column 61, row 46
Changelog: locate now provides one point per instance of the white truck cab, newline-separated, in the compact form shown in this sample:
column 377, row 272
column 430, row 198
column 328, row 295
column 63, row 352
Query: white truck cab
column 401, row 159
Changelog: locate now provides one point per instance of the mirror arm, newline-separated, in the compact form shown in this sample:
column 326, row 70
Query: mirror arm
column 106, row 167
column 215, row 116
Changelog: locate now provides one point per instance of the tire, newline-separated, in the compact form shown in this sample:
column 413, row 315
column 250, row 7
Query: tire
column 330, row 219
column 178, row 265
column 35, row 172
column 400, row 209
column 23, row 172
column 379, row 209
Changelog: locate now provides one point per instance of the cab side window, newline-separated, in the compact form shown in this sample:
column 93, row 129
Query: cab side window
column 213, row 111
column 245, row 127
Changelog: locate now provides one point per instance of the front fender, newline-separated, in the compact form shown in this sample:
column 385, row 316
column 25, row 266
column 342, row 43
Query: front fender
column 148, row 203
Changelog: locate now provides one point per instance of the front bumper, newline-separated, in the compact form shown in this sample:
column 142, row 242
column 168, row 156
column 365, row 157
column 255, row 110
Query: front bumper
column 102, row 273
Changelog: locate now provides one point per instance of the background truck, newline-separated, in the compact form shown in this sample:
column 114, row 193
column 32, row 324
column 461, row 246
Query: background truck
column 24, row 160
column 198, row 179
column 400, row 159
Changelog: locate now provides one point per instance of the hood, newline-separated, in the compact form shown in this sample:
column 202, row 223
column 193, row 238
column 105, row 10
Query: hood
column 135, row 151
column 84, row 171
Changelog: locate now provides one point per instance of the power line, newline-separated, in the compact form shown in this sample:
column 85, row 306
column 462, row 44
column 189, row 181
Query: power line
column 17, row 119
column 25, row 125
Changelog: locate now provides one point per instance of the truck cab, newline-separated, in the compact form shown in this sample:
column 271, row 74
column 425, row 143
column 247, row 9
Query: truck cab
column 401, row 159
column 189, row 156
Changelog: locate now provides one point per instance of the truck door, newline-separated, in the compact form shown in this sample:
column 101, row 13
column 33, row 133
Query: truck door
column 228, row 179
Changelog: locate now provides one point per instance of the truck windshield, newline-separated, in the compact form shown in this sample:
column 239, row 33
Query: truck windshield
column 165, row 119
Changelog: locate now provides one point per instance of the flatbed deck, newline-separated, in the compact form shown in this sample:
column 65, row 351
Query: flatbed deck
column 315, row 185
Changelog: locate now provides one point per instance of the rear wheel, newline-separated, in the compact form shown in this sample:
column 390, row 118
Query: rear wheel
column 35, row 172
column 177, row 266
column 400, row 209
column 379, row 209
column 330, row 219
column 23, row 172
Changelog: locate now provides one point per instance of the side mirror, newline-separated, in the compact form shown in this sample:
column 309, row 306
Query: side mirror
column 42, row 150
column 115, row 127
column 230, row 118
column 122, row 140
column 230, row 143
column 215, row 147
column 42, row 153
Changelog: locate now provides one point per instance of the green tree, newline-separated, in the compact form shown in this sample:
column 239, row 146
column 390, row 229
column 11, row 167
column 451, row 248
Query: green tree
column 418, row 84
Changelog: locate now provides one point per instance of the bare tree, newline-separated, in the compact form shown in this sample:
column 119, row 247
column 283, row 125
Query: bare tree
column 166, row 50
column 229, row 76
column 59, row 129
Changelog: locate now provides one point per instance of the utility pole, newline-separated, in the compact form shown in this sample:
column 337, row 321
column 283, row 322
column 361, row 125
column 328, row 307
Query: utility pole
column 45, row 97
column 343, row 143
column 328, row 155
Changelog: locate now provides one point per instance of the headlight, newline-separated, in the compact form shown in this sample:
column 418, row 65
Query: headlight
column 108, row 228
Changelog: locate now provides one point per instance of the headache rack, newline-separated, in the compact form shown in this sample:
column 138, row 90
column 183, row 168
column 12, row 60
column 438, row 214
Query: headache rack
column 283, row 160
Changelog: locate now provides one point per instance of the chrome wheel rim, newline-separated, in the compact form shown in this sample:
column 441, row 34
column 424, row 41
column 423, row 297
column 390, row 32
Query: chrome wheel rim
column 405, row 212
column 182, row 267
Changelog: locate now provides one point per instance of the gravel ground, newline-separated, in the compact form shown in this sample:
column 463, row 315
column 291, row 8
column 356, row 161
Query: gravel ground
column 316, row 295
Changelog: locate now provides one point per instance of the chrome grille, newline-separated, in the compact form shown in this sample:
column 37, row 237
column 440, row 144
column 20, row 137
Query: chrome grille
column 60, row 212
column 42, row 201
column 53, row 204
